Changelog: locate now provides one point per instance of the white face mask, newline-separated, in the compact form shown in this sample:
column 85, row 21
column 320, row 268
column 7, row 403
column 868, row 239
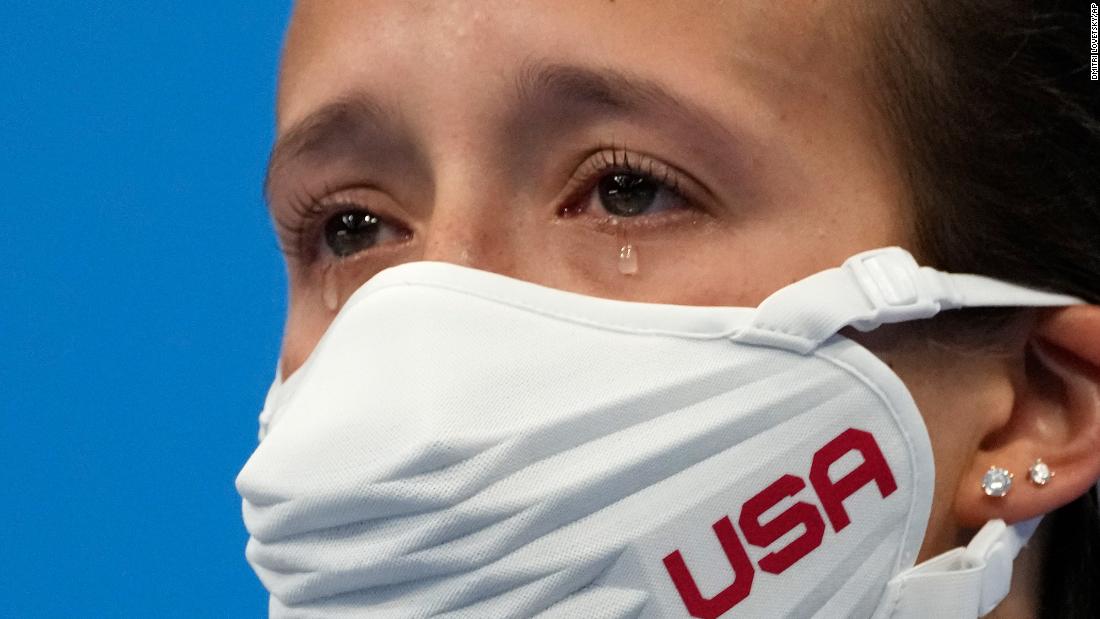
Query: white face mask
column 465, row 444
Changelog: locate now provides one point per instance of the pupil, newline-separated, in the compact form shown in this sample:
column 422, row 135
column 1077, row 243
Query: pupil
column 351, row 232
column 627, row 195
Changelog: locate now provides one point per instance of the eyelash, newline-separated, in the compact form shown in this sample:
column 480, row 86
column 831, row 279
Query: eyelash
column 611, row 158
column 308, row 212
column 300, row 236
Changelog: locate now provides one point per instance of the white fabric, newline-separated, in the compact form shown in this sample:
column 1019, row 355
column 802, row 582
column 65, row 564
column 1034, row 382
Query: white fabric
column 873, row 288
column 962, row 583
column 465, row 444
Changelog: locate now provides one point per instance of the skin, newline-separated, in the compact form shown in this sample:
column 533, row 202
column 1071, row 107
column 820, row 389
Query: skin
column 793, row 172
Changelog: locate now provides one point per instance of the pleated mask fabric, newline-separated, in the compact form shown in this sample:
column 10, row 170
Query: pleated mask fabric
column 464, row 444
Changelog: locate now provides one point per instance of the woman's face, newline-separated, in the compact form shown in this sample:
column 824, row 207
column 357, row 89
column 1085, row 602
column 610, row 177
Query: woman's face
column 479, row 133
column 733, row 145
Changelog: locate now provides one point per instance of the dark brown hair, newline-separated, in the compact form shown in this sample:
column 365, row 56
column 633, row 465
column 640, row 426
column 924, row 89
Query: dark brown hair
column 999, row 127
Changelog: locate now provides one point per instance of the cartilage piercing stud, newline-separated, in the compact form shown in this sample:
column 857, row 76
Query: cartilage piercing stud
column 1039, row 473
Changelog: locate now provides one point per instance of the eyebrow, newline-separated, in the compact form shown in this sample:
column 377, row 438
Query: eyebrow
column 566, row 89
column 333, row 127
column 606, row 89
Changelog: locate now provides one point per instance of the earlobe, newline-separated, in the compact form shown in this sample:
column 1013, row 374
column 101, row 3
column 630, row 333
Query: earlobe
column 1055, row 417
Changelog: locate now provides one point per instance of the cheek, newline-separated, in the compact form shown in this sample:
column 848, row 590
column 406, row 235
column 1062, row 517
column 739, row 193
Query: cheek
column 307, row 319
column 954, row 393
column 709, row 264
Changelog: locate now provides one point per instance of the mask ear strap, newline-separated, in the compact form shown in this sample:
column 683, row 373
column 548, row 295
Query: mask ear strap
column 874, row 288
column 961, row 583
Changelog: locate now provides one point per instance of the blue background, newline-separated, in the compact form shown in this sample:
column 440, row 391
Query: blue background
column 141, row 302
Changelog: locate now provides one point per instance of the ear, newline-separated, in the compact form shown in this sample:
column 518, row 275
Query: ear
column 1055, row 416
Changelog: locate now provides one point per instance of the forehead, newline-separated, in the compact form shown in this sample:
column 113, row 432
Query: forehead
column 776, row 54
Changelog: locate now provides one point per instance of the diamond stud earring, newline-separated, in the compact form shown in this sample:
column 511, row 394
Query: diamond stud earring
column 997, row 481
column 1039, row 473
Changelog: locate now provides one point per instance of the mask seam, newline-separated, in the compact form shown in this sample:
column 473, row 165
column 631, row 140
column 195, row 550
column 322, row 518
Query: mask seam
column 902, row 430
column 896, row 597
column 574, row 317
column 818, row 340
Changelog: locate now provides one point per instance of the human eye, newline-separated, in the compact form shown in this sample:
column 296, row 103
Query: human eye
column 354, row 229
column 627, row 188
column 338, row 226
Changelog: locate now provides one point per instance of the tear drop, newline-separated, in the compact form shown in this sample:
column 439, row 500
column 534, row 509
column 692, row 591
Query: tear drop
column 330, row 293
column 628, row 260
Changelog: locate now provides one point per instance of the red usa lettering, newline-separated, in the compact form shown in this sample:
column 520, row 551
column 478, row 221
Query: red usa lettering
column 830, row 494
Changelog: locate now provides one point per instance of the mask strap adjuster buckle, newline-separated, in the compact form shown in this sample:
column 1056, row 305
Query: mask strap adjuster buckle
column 892, row 282
column 873, row 288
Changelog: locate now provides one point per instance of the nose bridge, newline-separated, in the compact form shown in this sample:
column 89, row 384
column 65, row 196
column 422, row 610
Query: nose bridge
column 473, row 219
column 472, row 222
column 465, row 238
